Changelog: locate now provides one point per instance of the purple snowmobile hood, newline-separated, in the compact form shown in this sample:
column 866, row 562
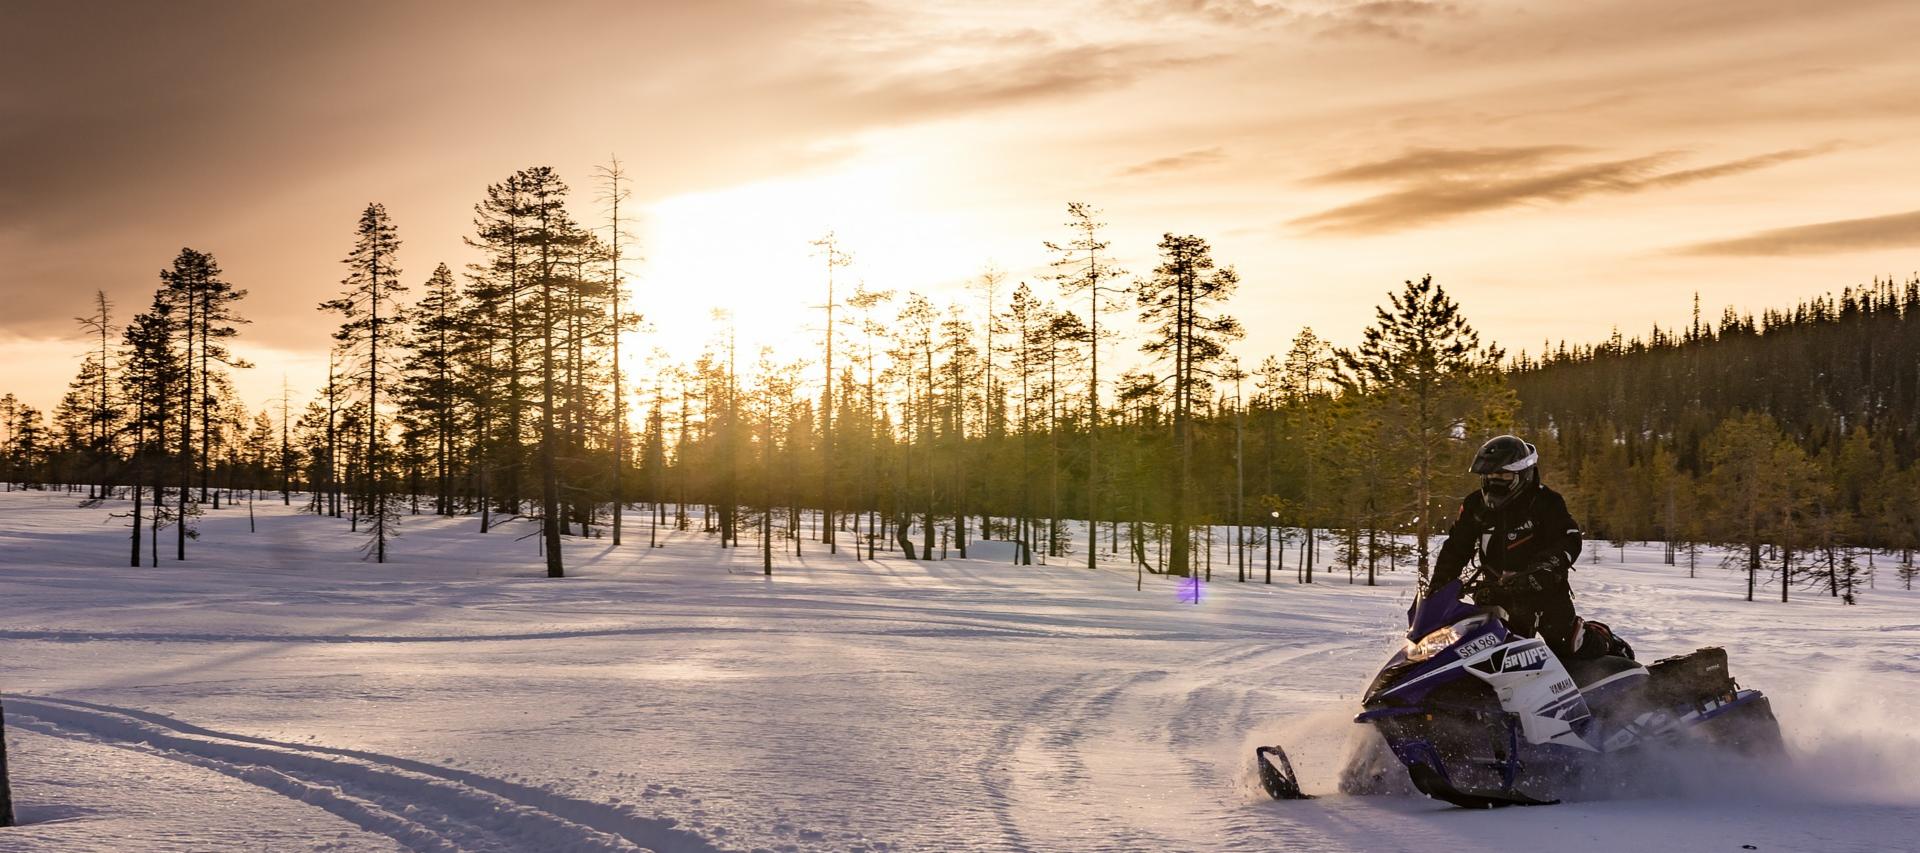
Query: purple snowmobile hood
column 1441, row 607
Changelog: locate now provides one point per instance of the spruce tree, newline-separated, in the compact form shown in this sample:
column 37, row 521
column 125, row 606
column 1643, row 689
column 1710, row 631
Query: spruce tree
column 1749, row 462
column 204, row 316
column 548, row 232
column 1026, row 320
column 1305, row 382
column 430, row 392
column 498, row 332
column 208, row 301
column 151, row 369
column 960, row 362
column 1440, row 387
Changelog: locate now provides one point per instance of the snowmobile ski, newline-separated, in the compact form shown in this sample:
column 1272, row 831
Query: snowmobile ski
column 1276, row 774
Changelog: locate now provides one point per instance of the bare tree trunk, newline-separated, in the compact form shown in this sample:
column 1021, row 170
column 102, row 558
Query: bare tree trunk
column 186, row 439
column 6, row 787
column 137, row 488
column 153, row 527
column 900, row 523
column 619, row 405
column 549, row 466
column 1786, row 571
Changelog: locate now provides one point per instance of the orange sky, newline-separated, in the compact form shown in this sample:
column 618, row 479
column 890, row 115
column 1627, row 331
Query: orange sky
column 1561, row 167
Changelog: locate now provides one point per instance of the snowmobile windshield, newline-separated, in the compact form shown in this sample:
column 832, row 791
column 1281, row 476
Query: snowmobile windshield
column 1441, row 607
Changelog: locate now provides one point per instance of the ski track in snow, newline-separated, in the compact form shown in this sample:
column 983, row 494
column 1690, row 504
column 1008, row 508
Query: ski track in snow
column 995, row 768
column 419, row 805
column 1187, row 726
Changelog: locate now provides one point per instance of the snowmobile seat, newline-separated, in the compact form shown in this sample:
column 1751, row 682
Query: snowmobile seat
column 1590, row 673
column 1692, row 678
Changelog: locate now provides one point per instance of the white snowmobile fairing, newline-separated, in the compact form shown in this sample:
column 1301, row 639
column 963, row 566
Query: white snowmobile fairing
column 1528, row 680
column 1532, row 684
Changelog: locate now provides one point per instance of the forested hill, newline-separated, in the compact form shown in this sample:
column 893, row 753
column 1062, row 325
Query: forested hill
column 1838, row 377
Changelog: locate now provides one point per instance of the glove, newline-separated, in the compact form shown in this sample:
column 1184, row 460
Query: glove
column 1603, row 641
column 1538, row 576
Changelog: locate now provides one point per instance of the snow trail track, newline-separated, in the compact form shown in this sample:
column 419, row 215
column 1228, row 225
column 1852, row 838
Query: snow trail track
column 422, row 806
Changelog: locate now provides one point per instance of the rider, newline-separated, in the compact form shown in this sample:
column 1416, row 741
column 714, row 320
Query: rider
column 1526, row 542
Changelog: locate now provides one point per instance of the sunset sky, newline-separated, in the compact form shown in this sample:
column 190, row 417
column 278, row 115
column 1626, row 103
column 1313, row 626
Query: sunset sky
column 1561, row 167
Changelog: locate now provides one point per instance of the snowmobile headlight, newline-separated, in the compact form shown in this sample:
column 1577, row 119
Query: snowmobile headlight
column 1432, row 644
column 1436, row 642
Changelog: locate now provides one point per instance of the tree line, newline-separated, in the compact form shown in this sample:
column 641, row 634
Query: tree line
column 1792, row 436
column 499, row 393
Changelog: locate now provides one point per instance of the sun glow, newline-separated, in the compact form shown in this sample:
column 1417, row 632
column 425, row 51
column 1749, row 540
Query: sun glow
column 749, row 250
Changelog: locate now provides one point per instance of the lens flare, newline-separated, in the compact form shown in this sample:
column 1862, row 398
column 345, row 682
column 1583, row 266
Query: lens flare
column 1189, row 591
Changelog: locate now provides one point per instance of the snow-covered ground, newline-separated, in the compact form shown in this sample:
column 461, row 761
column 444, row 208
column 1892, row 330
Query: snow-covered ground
column 276, row 693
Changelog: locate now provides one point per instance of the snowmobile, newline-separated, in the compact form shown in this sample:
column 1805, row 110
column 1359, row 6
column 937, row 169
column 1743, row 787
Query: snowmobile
column 1480, row 716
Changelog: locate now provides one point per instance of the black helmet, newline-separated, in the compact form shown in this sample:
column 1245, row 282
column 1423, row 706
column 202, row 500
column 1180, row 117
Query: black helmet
column 1499, row 457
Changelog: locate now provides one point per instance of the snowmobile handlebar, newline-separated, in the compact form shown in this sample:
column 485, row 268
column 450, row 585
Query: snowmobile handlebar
column 1529, row 578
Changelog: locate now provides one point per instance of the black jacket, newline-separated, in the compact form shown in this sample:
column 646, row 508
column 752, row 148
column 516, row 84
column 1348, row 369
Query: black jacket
column 1523, row 533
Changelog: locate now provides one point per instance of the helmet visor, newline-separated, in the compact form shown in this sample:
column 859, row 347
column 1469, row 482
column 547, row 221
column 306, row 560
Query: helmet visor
column 1489, row 463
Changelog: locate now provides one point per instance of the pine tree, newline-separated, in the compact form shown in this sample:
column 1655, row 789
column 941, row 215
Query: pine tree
column 151, row 370
column 1439, row 386
column 209, row 315
column 430, row 392
column 1080, row 267
column 1187, row 338
column 834, row 258
column 913, row 357
column 96, row 376
column 498, row 331
column 1750, row 462
column 614, row 192
column 257, row 455
column 867, row 303
column 1061, row 341
column 27, row 454
column 960, row 363
column 1304, row 382
column 203, row 311
column 371, row 326
column 1026, row 321
column 548, row 233
column 285, row 456
column 330, row 471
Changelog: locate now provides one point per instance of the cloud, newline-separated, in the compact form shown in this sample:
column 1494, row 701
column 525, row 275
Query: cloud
column 1401, row 9
column 1175, row 163
column 1031, row 75
column 1438, row 184
column 191, row 123
column 1431, row 200
column 1427, row 161
column 1237, row 13
column 1735, row 167
column 1399, row 20
column 1893, row 231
